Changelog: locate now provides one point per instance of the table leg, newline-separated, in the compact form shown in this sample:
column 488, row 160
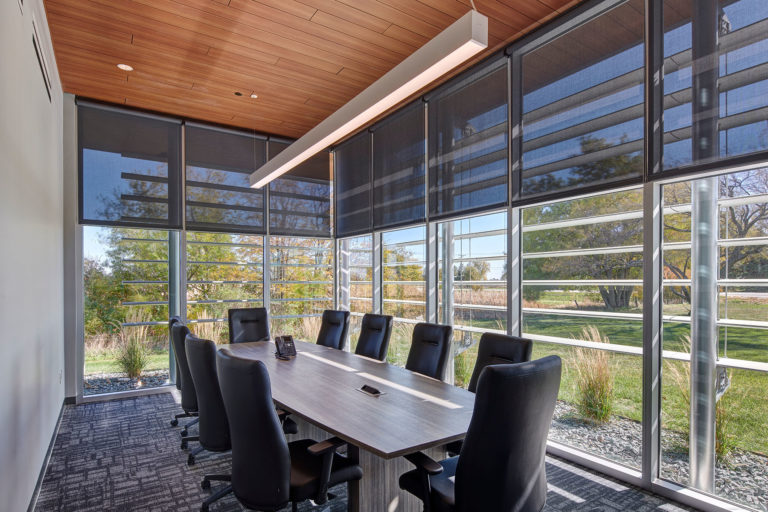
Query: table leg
column 379, row 489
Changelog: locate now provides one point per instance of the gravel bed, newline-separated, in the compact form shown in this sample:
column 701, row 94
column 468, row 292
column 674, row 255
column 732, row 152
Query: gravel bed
column 742, row 478
column 99, row 383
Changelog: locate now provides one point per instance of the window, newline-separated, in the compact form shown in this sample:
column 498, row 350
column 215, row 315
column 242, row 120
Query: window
column 468, row 143
column 355, row 277
column 582, row 300
column 721, row 46
column 398, row 168
column 219, row 196
column 125, row 286
column 715, row 307
column 583, row 103
column 473, row 284
column 129, row 169
column 404, row 286
column 224, row 271
column 301, row 276
column 352, row 161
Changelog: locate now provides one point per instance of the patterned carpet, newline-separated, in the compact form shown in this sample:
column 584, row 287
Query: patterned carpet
column 123, row 455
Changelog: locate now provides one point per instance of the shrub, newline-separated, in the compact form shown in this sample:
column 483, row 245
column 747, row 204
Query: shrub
column 213, row 331
column 680, row 375
column 132, row 353
column 594, row 381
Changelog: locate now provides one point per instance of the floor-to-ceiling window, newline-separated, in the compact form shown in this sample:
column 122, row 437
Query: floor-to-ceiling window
column 472, row 277
column 715, row 339
column 582, row 300
column 125, row 314
column 404, row 286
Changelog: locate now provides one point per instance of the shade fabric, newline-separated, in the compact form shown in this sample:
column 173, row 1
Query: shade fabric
column 218, row 192
column 129, row 168
column 300, row 200
column 468, row 143
column 352, row 161
column 398, row 168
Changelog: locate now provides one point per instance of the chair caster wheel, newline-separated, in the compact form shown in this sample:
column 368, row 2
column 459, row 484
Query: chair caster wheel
column 184, row 445
column 184, row 433
column 191, row 461
column 205, row 484
column 174, row 422
column 204, row 508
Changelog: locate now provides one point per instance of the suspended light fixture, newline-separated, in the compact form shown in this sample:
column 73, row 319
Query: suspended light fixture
column 466, row 37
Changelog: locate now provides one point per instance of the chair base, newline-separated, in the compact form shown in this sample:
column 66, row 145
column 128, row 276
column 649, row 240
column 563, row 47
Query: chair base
column 185, row 414
column 207, row 479
column 192, row 454
column 185, row 441
column 185, row 431
column 215, row 497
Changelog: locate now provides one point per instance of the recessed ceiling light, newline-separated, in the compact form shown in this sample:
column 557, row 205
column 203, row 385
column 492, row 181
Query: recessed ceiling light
column 125, row 67
column 254, row 96
column 238, row 93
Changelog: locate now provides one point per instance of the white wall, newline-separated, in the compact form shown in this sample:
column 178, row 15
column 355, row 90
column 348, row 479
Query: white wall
column 31, row 265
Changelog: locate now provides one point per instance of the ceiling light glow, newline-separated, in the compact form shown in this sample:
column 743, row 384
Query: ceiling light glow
column 466, row 37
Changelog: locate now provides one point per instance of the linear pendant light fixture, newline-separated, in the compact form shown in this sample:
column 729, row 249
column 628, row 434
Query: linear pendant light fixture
column 463, row 39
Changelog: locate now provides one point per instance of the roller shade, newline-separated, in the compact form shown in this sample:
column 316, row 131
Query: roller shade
column 129, row 168
column 352, row 161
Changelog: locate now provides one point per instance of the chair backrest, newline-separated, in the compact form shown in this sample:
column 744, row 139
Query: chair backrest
column 333, row 329
column 499, row 349
column 501, row 464
column 175, row 319
column 248, row 324
column 429, row 349
column 179, row 333
column 374, row 336
column 214, row 428
column 261, row 463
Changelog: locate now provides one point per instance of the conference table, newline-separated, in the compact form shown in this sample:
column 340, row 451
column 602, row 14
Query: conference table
column 321, row 388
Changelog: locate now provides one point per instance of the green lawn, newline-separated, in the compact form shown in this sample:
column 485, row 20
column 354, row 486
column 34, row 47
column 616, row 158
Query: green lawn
column 104, row 362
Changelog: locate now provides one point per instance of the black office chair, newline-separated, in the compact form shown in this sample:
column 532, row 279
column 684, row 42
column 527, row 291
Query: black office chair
column 267, row 471
column 374, row 336
column 501, row 466
column 333, row 330
column 175, row 319
column 179, row 333
column 214, row 428
column 495, row 349
column 248, row 324
column 429, row 350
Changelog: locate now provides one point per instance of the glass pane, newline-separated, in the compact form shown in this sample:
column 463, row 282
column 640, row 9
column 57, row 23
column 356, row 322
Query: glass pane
column 301, row 273
column 583, row 285
column 739, row 309
column 223, row 272
column 404, row 286
column 125, row 286
column 130, row 168
column 583, row 103
column 355, row 276
column 730, row 58
column 472, row 269
column 468, row 143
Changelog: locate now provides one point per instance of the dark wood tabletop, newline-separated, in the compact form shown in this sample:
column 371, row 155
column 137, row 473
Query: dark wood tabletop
column 322, row 384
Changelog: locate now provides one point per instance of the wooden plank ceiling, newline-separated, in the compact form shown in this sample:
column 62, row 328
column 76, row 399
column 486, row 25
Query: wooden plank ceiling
column 303, row 58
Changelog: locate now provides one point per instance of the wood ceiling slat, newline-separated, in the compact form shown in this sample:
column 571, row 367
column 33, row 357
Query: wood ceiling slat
column 304, row 58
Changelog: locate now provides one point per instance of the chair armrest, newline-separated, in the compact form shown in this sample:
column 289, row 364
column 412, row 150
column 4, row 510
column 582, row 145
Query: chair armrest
column 424, row 462
column 325, row 446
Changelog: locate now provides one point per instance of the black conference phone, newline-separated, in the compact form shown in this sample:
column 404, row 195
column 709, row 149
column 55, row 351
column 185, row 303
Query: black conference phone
column 285, row 347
